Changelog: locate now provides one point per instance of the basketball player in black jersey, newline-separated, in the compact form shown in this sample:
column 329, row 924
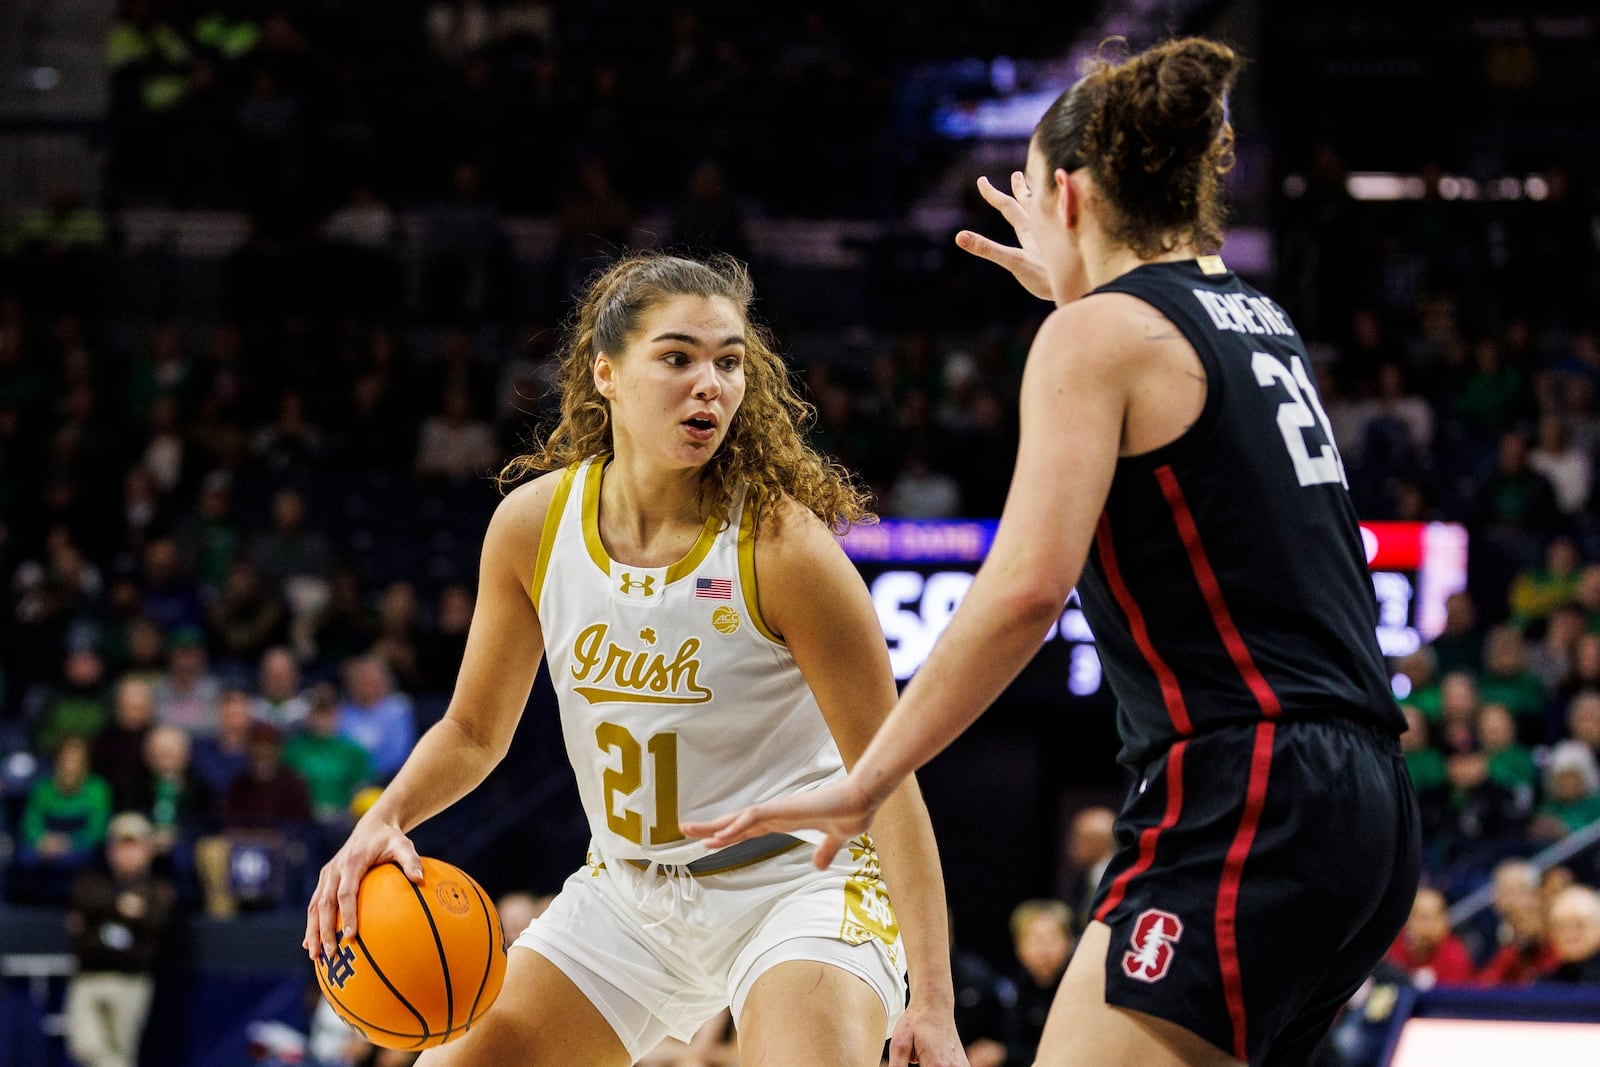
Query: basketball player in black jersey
column 1177, row 467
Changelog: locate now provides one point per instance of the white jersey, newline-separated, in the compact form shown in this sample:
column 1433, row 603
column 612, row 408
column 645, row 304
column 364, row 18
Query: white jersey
column 677, row 702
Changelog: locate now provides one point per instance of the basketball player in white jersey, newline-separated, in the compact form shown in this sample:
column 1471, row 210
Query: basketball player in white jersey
column 710, row 646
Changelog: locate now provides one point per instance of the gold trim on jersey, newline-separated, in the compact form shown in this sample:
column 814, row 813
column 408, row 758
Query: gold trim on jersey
column 747, row 568
column 552, row 523
column 597, row 547
column 1211, row 265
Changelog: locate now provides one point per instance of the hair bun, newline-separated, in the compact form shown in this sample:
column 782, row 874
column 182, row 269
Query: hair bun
column 1182, row 84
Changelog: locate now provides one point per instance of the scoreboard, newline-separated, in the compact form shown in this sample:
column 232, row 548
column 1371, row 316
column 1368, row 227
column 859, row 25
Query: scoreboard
column 919, row 570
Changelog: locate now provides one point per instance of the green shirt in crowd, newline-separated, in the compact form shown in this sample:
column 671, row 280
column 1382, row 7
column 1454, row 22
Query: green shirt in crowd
column 333, row 767
column 81, row 815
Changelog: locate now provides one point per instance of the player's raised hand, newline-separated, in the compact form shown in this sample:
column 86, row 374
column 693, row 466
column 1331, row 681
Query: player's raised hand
column 842, row 811
column 370, row 844
column 1022, row 261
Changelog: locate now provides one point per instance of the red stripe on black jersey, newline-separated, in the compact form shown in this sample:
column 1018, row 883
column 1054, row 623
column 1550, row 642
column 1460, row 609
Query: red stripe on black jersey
column 1171, row 694
column 1207, row 579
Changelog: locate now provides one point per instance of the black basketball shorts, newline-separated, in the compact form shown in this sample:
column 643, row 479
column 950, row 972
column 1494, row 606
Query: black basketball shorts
column 1262, row 871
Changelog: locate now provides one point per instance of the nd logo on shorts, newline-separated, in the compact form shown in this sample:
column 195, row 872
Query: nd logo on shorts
column 1154, row 935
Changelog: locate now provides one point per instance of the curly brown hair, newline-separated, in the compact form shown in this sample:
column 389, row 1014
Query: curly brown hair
column 1154, row 133
column 764, row 449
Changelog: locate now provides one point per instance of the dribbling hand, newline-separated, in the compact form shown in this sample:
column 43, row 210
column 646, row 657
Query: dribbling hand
column 1022, row 261
column 842, row 811
column 335, row 896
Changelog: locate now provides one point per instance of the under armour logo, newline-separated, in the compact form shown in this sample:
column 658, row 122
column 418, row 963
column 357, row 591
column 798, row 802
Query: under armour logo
column 1154, row 935
column 629, row 585
column 338, row 966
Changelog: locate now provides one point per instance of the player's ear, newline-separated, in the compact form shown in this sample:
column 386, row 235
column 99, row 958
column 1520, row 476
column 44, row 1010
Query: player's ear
column 1068, row 196
column 605, row 381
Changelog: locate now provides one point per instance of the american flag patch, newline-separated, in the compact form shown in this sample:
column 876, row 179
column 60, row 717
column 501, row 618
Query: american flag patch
column 714, row 588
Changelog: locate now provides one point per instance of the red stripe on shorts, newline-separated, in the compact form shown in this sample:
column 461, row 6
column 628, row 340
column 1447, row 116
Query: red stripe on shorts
column 1171, row 694
column 1255, row 799
column 1147, row 839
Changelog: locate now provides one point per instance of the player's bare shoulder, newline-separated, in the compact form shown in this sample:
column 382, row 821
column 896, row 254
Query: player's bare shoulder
column 794, row 551
column 517, row 526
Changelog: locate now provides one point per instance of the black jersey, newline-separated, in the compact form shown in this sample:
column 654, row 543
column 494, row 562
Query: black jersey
column 1228, row 580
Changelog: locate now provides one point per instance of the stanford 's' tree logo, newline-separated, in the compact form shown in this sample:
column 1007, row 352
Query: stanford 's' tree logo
column 1154, row 936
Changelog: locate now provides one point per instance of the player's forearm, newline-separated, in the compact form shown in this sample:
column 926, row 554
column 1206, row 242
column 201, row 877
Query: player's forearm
column 910, row 858
column 447, row 763
column 997, row 630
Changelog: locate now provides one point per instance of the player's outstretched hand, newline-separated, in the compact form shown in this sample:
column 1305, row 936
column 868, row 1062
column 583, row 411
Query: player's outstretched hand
column 928, row 1037
column 842, row 811
column 1022, row 261
column 369, row 845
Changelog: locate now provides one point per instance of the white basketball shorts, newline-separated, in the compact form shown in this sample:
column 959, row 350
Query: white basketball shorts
column 659, row 951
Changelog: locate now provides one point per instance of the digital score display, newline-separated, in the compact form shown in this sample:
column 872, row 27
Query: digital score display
column 918, row 571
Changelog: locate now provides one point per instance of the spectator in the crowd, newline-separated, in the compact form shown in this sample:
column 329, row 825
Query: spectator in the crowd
column 922, row 491
column 1571, row 792
column 1583, row 720
column 1471, row 819
column 117, row 754
column 170, row 598
column 1510, row 763
column 400, row 634
column 1515, row 503
column 1565, row 465
column 1523, row 953
column 375, row 716
column 455, row 443
column 1575, row 933
column 1424, row 762
column 291, row 443
column 1043, row 937
column 266, row 795
column 187, row 694
column 1506, row 680
column 180, row 805
column 346, row 625
column 1584, row 673
column 266, row 813
column 1427, row 950
column 1536, row 592
column 221, row 757
column 1459, row 646
column 291, row 548
column 709, row 217
column 1550, row 658
column 442, row 645
column 64, row 818
column 280, row 700
column 145, row 649
column 208, row 536
column 245, row 618
column 1091, row 843
column 517, row 911
column 79, row 705
column 334, row 767
column 118, row 919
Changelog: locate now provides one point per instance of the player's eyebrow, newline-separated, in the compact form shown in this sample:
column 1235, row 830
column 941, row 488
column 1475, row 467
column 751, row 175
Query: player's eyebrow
column 691, row 340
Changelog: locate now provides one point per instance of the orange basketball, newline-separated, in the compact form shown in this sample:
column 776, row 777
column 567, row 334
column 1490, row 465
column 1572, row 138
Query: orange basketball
column 426, row 961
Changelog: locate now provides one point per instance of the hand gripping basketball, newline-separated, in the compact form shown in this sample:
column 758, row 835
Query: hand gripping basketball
column 426, row 961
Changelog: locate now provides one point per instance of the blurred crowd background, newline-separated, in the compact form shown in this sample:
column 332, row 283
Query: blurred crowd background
column 266, row 332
